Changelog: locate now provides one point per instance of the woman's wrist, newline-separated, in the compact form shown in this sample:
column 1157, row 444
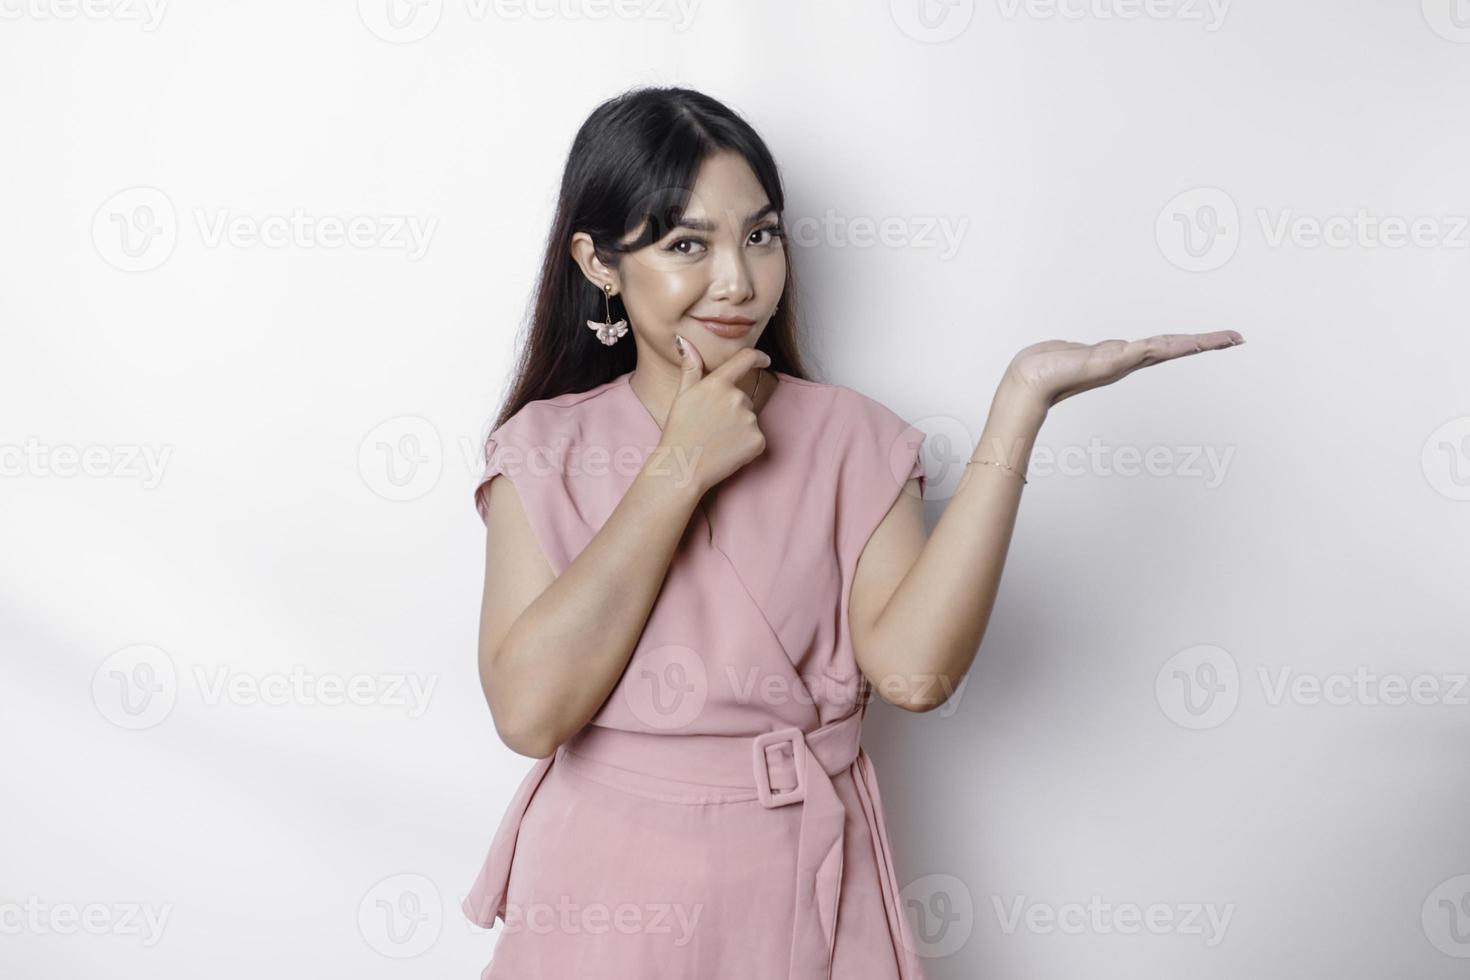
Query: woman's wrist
column 1017, row 403
column 674, row 478
column 1015, row 419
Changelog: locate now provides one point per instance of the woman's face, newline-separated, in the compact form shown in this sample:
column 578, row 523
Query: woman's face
column 717, row 277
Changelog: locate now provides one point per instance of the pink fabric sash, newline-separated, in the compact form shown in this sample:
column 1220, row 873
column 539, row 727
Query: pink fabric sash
column 779, row 768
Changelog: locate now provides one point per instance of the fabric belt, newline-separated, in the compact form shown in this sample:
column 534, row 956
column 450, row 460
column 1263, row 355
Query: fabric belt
column 779, row 768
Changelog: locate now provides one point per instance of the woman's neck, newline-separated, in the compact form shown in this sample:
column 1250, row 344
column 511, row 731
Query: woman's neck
column 656, row 387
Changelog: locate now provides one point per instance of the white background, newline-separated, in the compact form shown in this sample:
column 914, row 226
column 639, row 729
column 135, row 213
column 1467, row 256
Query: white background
column 320, row 410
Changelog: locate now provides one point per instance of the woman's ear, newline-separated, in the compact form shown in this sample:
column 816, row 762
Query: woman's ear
column 584, row 253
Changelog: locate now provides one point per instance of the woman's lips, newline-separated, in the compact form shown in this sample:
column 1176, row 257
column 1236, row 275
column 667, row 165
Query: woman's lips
column 732, row 331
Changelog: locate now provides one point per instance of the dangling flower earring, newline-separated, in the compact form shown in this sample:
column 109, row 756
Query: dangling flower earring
column 608, row 332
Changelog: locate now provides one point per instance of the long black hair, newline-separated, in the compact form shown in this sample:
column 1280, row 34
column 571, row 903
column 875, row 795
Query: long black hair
column 632, row 166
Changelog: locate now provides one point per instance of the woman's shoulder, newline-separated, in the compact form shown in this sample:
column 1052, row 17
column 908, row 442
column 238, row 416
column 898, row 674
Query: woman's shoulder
column 541, row 419
column 874, row 452
column 847, row 411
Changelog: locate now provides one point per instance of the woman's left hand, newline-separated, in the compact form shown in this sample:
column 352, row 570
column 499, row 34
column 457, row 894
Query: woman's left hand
column 1054, row 370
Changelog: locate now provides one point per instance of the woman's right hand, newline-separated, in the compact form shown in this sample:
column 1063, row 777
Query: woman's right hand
column 712, row 427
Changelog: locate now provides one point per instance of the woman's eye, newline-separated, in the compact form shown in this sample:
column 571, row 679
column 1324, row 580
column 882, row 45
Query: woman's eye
column 772, row 230
column 674, row 246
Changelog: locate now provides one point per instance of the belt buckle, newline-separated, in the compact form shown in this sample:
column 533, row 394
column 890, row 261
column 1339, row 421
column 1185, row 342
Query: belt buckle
column 768, row 797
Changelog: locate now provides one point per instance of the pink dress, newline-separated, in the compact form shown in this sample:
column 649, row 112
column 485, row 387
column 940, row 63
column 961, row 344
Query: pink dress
column 717, row 819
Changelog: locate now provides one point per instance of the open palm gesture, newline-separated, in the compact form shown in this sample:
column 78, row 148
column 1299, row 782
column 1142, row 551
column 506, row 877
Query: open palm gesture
column 1054, row 370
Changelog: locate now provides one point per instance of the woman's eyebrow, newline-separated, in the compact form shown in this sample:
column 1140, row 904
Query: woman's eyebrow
column 702, row 224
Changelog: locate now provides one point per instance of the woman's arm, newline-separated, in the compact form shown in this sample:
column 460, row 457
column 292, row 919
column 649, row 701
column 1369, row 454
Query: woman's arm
column 552, row 648
column 919, row 608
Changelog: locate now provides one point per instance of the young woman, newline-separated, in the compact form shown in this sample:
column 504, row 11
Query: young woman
column 700, row 566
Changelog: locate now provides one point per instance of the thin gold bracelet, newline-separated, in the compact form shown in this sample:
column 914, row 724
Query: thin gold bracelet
column 1003, row 466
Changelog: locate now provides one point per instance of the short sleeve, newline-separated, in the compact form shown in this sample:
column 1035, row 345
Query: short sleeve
column 878, row 452
column 519, row 451
column 495, row 445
